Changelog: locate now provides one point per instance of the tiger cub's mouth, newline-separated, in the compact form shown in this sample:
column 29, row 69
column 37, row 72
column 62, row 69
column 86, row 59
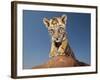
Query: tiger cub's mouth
column 57, row 44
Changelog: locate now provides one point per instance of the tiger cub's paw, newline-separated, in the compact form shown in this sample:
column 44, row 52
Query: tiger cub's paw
column 59, row 53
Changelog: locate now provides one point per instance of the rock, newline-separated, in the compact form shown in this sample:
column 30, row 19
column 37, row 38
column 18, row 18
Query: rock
column 61, row 61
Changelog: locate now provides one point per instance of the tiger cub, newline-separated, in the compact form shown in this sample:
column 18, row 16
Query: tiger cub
column 57, row 30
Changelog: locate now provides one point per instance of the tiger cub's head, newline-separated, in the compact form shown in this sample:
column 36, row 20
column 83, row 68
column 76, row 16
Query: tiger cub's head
column 56, row 27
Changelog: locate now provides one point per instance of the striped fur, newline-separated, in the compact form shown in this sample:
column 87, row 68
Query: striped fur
column 57, row 29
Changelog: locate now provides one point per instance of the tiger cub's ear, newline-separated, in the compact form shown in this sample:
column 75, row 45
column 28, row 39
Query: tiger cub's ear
column 64, row 18
column 46, row 22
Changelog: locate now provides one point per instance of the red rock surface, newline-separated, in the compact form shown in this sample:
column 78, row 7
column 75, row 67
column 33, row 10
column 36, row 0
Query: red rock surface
column 61, row 61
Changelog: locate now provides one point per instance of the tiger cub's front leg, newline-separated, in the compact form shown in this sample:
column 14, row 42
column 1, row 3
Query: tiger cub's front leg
column 53, row 51
column 62, row 48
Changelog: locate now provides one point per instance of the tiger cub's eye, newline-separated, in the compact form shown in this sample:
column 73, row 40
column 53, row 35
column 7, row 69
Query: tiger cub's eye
column 51, row 31
column 61, row 30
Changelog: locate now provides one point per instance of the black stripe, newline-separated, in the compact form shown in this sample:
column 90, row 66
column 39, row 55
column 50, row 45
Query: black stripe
column 68, row 51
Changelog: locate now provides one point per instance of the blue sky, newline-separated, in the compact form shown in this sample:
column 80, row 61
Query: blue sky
column 36, row 40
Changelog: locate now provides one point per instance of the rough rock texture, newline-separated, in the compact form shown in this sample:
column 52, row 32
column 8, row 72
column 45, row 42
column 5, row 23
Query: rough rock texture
column 61, row 61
